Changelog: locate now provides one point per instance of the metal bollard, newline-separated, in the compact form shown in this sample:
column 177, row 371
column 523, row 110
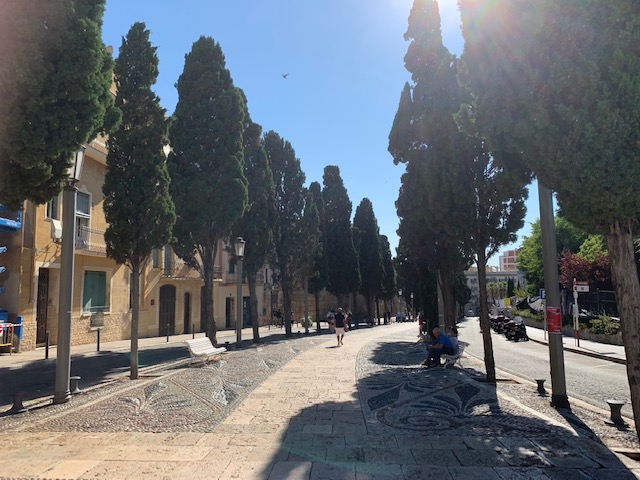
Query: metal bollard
column 167, row 332
column 17, row 404
column 74, row 381
column 616, row 413
column 193, row 331
column 98, row 340
column 541, row 389
column 46, row 344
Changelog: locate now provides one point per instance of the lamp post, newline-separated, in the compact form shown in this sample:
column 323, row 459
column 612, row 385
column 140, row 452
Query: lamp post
column 239, row 246
column 412, row 303
column 400, row 301
column 62, row 392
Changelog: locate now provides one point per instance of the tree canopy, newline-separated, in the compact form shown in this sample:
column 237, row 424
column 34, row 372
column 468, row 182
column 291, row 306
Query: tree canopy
column 344, row 273
column 55, row 78
column 369, row 254
column 206, row 162
column 137, row 203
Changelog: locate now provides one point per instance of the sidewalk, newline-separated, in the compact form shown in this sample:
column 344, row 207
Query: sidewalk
column 303, row 408
column 614, row 353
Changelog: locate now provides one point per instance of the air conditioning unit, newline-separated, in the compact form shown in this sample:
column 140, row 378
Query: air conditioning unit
column 56, row 230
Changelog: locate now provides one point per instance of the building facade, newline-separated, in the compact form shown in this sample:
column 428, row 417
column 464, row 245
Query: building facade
column 508, row 261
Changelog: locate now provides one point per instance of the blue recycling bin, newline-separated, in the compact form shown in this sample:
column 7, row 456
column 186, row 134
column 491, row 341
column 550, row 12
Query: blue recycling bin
column 4, row 316
column 18, row 327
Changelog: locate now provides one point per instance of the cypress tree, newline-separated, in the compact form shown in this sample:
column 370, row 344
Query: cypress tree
column 57, row 96
column 369, row 252
column 208, row 185
column 320, row 276
column 388, row 287
column 562, row 97
column 255, row 224
column 344, row 271
column 290, row 199
column 137, row 203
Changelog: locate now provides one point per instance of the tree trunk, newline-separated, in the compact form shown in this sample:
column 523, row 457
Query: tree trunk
column 316, row 295
column 624, row 274
column 253, row 306
column 378, row 310
column 448, row 298
column 208, row 267
column 135, row 319
column 286, row 299
column 305, row 289
column 485, row 326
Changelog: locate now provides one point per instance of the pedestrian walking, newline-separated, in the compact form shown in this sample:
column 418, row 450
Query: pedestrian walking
column 340, row 319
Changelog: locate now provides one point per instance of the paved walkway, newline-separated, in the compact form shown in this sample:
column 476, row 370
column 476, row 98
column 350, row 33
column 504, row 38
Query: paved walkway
column 615, row 353
column 305, row 409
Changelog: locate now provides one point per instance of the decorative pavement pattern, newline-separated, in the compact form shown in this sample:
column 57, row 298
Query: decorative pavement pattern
column 180, row 399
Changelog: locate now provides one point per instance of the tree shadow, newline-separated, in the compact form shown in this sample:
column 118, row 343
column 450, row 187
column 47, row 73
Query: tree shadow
column 409, row 422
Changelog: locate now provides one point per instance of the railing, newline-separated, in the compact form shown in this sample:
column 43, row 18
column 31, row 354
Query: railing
column 91, row 240
column 179, row 269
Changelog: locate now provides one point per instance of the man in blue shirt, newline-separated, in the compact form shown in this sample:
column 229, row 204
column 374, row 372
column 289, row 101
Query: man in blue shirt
column 443, row 346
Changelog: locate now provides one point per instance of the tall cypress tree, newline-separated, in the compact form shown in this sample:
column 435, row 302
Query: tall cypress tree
column 137, row 204
column 208, row 185
column 256, row 223
column 57, row 96
column 369, row 252
column 290, row 199
column 571, row 116
column 388, row 287
column 320, row 277
column 344, row 271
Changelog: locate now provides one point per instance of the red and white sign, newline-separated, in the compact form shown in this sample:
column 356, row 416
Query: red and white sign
column 554, row 319
column 580, row 287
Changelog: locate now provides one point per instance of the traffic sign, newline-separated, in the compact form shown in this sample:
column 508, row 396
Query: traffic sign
column 543, row 294
column 580, row 286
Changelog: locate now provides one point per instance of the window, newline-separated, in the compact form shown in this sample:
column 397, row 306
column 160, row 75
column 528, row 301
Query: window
column 155, row 258
column 53, row 208
column 83, row 214
column 94, row 292
column 232, row 265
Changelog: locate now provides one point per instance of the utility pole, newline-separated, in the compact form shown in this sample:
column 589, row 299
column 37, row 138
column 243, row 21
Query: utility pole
column 553, row 314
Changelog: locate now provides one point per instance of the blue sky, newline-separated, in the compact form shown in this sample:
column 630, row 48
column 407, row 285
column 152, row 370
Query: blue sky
column 346, row 71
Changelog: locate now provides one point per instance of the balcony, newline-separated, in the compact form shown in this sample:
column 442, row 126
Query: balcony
column 179, row 269
column 91, row 240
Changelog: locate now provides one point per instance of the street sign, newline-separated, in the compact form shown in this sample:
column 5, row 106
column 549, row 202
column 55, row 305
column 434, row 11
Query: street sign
column 543, row 294
column 580, row 287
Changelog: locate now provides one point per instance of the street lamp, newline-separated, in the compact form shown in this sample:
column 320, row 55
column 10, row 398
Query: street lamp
column 411, row 302
column 62, row 393
column 239, row 246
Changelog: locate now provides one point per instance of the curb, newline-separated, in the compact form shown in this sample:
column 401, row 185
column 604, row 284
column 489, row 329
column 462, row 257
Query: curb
column 621, row 361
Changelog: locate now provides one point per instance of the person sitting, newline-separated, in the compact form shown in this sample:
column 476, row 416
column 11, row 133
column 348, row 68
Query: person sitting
column 452, row 333
column 443, row 346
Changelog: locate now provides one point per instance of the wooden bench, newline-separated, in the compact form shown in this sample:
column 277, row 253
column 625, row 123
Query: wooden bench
column 202, row 348
column 455, row 358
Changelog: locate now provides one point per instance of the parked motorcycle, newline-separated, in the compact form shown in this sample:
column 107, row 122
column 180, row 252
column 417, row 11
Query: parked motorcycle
column 498, row 323
column 515, row 330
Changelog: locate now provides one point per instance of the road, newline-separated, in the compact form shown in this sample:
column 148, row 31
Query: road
column 589, row 379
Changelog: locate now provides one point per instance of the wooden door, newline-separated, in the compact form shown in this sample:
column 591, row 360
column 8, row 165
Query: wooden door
column 42, row 305
column 167, row 315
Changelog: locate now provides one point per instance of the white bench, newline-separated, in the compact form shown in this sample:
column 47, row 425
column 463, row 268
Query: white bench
column 455, row 358
column 202, row 348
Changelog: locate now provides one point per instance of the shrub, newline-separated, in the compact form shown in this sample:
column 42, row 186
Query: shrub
column 605, row 325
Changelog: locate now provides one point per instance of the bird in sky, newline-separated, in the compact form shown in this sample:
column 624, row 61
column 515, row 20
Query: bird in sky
column 284, row 75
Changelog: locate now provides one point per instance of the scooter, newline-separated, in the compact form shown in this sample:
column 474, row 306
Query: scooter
column 515, row 331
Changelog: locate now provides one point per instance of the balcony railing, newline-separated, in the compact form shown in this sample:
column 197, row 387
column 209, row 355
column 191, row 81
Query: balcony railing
column 179, row 269
column 91, row 240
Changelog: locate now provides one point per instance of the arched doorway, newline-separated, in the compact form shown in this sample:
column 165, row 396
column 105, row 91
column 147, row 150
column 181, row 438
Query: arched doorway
column 167, row 317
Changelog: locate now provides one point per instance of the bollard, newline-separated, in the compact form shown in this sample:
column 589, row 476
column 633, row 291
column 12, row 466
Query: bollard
column 74, row 381
column 193, row 331
column 167, row 332
column 98, row 340
column 541, row 389
column 17, row 404
column 46, row 344
column 616, row 413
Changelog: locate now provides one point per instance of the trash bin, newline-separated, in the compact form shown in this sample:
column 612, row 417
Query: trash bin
column 4, row 315
column 17, row 327
column 18, row 330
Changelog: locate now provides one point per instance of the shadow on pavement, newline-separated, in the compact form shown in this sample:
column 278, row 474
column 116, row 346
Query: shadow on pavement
column 413, row 423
